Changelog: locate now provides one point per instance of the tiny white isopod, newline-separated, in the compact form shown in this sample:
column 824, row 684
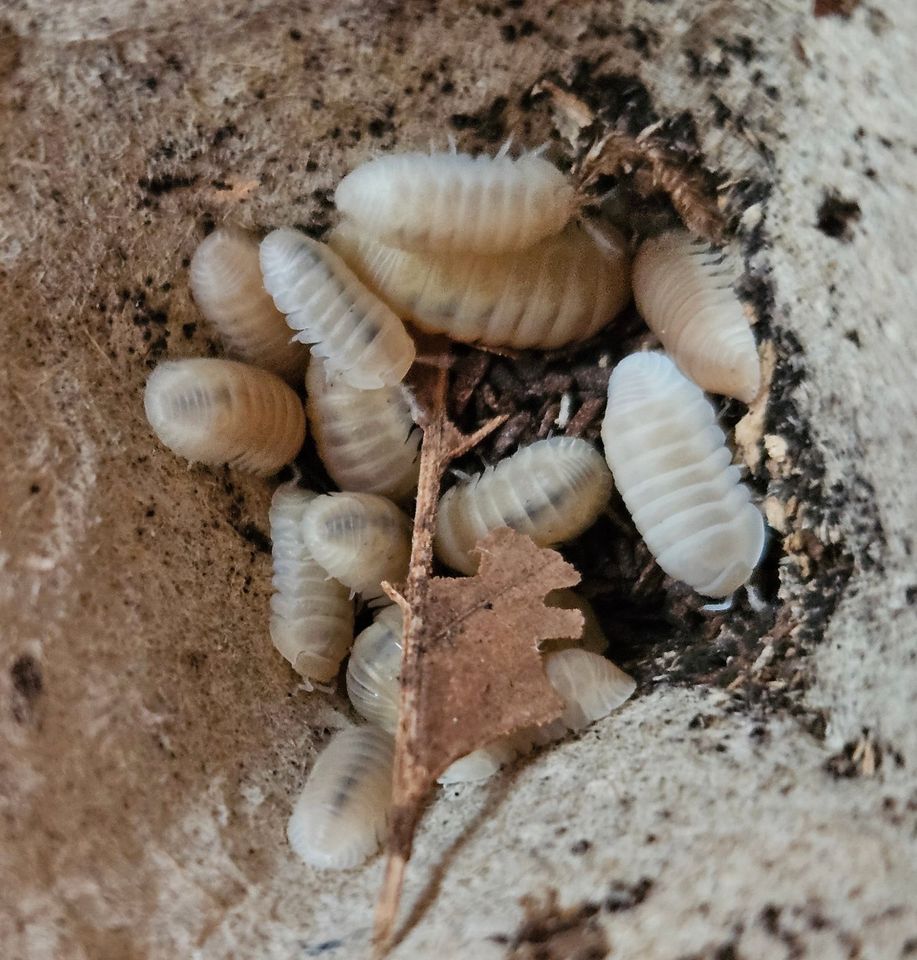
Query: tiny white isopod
column 349, row 326
column 565, row 288
column 359, row 538
column 226, row 283
column 683, row 288
column 221, row 411
column 342, row 813
column 451, row 202
column 673, row 469
column 311, row 613
column 552, row 491
column 366, row 439
column 374, row 668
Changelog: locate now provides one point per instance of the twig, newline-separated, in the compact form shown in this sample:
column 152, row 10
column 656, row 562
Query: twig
column 442, row 443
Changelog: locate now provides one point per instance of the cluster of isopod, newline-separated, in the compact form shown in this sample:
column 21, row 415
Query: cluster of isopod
column 490, row 251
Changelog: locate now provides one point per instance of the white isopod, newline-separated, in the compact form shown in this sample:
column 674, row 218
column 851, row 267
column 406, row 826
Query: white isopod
column 222, row 411
column 451, row 202
column 552, row 490
column 359, row 538
column 673, row 468
column 374, row 668
column 565, row 288
column 341, row 814
column 348, row 325
column 226, row 282
column 590, row 686
column 366, row 438
column 311, row 613
column 684, row 290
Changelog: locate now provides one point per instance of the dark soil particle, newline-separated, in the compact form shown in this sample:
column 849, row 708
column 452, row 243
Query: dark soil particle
column 837, row 215
column 156, row 186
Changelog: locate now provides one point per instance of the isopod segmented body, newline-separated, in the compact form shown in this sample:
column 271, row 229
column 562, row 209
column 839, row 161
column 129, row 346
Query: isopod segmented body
column 374, row 668
column 684, row 290
column 221, row 411
column 673, row 469
column 359, row 538
column 349, row 326
column 311, row 613
column 341, row 814
column 366, row 438
column 591, row 688
column 565, row 288
column 451, row 202
column 226, row 282
column 552, row 490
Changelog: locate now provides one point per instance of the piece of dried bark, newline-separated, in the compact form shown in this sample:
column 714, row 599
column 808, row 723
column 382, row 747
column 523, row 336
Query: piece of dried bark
column 471, row 671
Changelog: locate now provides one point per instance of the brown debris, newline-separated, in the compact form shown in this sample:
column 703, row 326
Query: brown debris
column 471, row 671
column 835, row 8
column 552, row 932
column 571, row 115
column 654, row 166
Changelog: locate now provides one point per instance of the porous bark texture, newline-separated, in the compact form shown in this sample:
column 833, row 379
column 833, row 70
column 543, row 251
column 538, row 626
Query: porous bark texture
column 756, row 798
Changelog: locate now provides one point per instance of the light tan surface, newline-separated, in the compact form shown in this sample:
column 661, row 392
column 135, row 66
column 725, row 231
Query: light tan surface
column 146, row 785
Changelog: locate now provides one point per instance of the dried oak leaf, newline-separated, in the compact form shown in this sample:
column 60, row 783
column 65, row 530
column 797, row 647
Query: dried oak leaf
column 482, row 674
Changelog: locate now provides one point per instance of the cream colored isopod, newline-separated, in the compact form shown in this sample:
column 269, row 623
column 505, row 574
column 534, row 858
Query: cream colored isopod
column 673, row 469
column 684, row 290
column 563, row 289
column 359, row 538
column 374, row 668
column 552, row 490
column 341, row 814
column 356, row 334
column 311, row 613
column 226, row 282
column 366, row 439
column 453, row 202
column 220, row 411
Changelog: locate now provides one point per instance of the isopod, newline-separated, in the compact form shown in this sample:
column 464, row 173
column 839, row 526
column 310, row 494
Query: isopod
column 451, row 202
column 366, row 438
column 590, row 686
column 684, row 290
column 673, row 468
column 359, row 538
column 347, row 325
column 374, row 667
column 341, row 814
column 221, row 411
column 311, row 613
column 552, row 490
column 226, row 282
column 565, row 288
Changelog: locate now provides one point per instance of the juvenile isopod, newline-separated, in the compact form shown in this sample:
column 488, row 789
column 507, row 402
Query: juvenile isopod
column 349, row 326
column 374, row 668
column 221, row 411
column 226, row 282
column 366, row 438
column 673, row 468
column 311, row 613
column 684, row 290
column 552, row 490
column 341, row 814
column 563, row 289
column 451, row 202
column 359, row 538
column 590, row 686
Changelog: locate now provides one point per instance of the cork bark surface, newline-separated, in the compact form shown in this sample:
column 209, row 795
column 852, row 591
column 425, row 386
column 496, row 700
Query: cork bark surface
column 762, row 805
